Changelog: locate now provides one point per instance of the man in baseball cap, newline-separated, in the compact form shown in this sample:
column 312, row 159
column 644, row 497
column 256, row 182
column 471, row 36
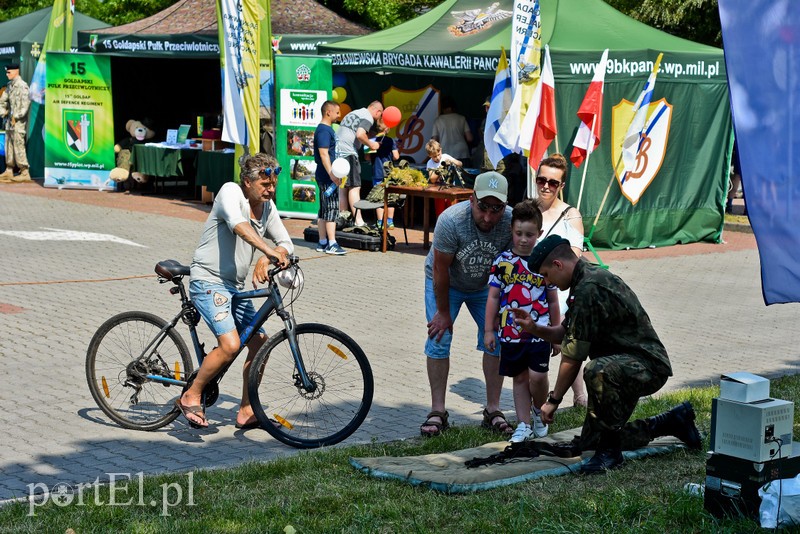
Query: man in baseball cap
column 467, row 238
column 607, row 325
column 14, row 104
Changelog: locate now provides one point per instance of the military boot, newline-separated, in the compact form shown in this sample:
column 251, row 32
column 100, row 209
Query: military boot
column 608, row 455
column 7, row 175
column 23, row 176
column 678, row 422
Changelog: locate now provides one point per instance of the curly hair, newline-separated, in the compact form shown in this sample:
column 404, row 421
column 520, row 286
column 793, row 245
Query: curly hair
column 252, row 165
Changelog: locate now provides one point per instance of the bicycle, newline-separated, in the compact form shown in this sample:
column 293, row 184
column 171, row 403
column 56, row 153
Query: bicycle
column 310, row 384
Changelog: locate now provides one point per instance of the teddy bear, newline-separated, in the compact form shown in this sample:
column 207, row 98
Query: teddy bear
column 138, row 132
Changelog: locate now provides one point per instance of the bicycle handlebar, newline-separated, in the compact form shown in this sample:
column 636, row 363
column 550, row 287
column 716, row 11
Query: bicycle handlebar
column 293, row 260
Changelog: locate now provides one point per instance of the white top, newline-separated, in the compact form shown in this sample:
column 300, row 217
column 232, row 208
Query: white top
column 222, row 257
column 564, row 228
column 432, row 165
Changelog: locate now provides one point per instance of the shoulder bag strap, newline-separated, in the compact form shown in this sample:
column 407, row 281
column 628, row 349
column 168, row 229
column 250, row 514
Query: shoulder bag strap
column 557, row 220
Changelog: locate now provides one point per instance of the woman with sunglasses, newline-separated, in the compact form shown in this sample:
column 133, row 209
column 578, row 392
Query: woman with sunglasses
column 559, row 218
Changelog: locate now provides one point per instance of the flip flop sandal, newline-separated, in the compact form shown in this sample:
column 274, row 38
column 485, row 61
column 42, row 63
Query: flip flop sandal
column 194, row 410
column 440, row 427
column 502, row 427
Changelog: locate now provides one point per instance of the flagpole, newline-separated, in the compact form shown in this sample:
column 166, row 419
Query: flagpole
column 589, row 144
column 588, row 239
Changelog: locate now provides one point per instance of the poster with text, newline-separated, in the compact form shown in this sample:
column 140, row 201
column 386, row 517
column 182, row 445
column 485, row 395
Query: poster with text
column 79, row 127
column 303, row 84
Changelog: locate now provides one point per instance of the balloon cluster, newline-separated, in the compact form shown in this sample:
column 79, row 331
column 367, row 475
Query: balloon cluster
column 391, row 115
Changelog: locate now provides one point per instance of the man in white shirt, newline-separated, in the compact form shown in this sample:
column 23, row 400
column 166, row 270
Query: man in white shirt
column 242, row 216
column 352, row 134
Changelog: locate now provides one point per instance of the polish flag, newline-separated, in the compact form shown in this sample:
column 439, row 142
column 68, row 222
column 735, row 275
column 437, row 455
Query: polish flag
column 546, row 129
column 590, row 114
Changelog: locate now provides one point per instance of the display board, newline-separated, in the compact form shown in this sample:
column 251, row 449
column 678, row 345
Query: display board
column 79, row 131
column 303, row 84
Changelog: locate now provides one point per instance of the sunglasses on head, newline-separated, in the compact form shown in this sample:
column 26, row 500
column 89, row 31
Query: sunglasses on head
column 494, row 208
column 269, row 170
column 541, row 180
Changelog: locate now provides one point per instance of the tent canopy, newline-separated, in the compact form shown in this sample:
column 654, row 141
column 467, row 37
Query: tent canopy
column 21, row 38
column 188, row 28
column 676, row 192
column 463, row 38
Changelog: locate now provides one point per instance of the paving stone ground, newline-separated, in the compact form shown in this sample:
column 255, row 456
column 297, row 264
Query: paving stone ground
column 704, row 299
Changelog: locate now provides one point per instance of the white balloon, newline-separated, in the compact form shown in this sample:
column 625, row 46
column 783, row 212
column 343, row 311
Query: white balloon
column 340, row 167
column 291, row 278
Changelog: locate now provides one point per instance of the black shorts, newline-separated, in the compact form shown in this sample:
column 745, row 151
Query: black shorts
column 328, row 205
column 516, row 357
column 354, row 178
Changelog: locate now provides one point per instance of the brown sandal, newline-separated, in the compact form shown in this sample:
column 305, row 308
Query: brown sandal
column 440, row 427
column 501, row 427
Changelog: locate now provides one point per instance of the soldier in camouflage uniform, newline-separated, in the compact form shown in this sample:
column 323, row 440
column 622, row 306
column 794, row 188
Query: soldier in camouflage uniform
column 14, row 105
column 606, row 324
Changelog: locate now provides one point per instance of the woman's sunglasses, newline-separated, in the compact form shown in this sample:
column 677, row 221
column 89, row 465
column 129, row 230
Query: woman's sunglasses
column 554, row 184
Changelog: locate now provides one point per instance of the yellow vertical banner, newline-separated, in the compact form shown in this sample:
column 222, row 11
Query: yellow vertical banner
column 239, row 36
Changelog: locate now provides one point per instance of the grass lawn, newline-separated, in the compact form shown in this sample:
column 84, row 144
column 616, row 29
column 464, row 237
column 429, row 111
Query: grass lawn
column 319, row 491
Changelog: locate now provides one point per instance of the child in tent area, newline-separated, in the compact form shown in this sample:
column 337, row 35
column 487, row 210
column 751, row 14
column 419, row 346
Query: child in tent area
column 522, row 356
column 387, row 151
column 437, row 160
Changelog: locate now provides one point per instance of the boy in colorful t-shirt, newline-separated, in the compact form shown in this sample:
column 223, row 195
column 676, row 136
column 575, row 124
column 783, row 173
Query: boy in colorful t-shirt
column 522, row 356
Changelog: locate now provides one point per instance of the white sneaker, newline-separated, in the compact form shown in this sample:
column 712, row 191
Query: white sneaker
column 539, row 428
column 522, row 433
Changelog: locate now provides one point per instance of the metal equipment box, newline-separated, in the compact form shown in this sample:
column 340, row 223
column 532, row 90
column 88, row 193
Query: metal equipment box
column 732, row 484
column 752, row 431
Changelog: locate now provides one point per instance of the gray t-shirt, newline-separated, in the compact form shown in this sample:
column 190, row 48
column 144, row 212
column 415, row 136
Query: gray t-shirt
column 222, row 257
column 346, row 142
column 473, row 250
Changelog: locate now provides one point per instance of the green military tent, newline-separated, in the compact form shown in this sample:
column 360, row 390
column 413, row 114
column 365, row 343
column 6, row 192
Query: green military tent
column 21, row 39
column 679, row 191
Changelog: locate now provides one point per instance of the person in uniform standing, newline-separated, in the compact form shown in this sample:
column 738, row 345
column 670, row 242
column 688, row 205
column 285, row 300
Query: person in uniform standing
column 607, row 324
column 14, row 105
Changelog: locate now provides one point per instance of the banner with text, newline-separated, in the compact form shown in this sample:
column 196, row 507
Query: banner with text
column 79, row 125
column 303, row 83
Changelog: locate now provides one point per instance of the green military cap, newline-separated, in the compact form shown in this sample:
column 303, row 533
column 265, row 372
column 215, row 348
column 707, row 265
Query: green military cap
column 543, row 249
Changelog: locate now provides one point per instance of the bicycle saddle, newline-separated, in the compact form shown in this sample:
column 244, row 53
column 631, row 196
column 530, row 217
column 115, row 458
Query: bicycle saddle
column 168, row 269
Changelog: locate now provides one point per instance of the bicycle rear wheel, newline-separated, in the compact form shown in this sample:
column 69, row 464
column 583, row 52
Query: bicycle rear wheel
column 308, row 419
column 116, row 373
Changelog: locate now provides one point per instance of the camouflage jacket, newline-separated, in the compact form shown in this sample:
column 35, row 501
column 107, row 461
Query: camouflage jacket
column 605, row 317
column 15, row 102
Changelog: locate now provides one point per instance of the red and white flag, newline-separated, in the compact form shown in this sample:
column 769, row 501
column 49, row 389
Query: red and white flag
column 546, row 129
column 590, row 114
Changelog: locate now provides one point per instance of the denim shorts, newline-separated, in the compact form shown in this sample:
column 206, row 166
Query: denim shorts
column 213, row 301
column 476, row 304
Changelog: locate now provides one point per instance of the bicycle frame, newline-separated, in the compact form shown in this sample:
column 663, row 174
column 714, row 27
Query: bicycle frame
column 190, row 316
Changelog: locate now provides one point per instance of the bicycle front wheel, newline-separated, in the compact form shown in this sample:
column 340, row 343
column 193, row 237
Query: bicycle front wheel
column 116, row 367
column 336, row 405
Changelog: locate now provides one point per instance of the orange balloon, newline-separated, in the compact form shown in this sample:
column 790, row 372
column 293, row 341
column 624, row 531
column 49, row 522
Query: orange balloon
column 392, row 116
column 344, row 109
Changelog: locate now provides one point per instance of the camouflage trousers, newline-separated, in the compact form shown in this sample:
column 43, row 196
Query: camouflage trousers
column 15, row 147
column 614, row 385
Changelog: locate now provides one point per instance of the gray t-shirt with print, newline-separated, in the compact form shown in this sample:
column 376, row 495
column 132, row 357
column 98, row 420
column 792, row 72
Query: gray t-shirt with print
column 473, row 250
column 346, row 142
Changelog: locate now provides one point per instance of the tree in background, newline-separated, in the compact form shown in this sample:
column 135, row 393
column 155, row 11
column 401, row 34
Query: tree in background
column 696, row 20
column 114, row 12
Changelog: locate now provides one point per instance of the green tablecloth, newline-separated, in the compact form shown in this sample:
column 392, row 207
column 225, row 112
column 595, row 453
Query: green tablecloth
column 214, row 169
column 162, row 161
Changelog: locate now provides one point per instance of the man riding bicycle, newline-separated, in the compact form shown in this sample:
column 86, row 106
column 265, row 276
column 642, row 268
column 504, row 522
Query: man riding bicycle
column 241, row 217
